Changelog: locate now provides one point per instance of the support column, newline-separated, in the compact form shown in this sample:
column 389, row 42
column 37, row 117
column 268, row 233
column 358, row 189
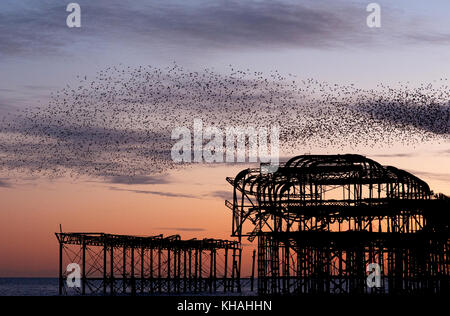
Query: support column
column 151, row 270
column 124, row 270
column 184, row 271
column 133, row 280
column 196, row 270
column 168, row 270
column 159, row 270
column 105, row 279
column 239, row 271
column 200, row 268
column 233, row 269
column 83, row 273
column 225, row 281
column 190, row 269
column 211, row 262
column 111, row 285
column 61, row 280
column 215, row 270
column 179, row 270
column 253, row 270
column 142, row 270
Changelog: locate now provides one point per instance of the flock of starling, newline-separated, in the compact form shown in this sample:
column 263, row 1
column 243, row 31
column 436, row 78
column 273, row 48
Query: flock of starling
column 120, row 122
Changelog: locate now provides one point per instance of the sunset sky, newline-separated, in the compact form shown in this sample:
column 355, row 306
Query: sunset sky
column 329, row 41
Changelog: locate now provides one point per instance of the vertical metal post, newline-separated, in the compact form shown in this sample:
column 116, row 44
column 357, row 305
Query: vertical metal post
column 214, row 270
column 83, row 275
column 184, row 270
column 112, row 270
column 179, row 270
column 174, row 274
column 168, row 269
column 239, row 271
column 105, row 280
column 61, row 280
column 190, row 269
column 142, row 269
column 200, row 268
column 124, row 270
column 253, row 270
column 151, row 270
column 133, row 280
column 196, row 270
column 225, row 281
column 211, row 262
column 159, row 269
column 233, row 265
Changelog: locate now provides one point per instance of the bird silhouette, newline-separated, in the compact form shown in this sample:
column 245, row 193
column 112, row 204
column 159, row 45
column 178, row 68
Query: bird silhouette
column 120, row 121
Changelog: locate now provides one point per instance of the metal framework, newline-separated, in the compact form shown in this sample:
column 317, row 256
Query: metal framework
column 321, row 220
column 120, row 264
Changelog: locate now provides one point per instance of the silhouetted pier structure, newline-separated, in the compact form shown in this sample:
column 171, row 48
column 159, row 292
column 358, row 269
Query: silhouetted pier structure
column 119, row 264
column 320, row 220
